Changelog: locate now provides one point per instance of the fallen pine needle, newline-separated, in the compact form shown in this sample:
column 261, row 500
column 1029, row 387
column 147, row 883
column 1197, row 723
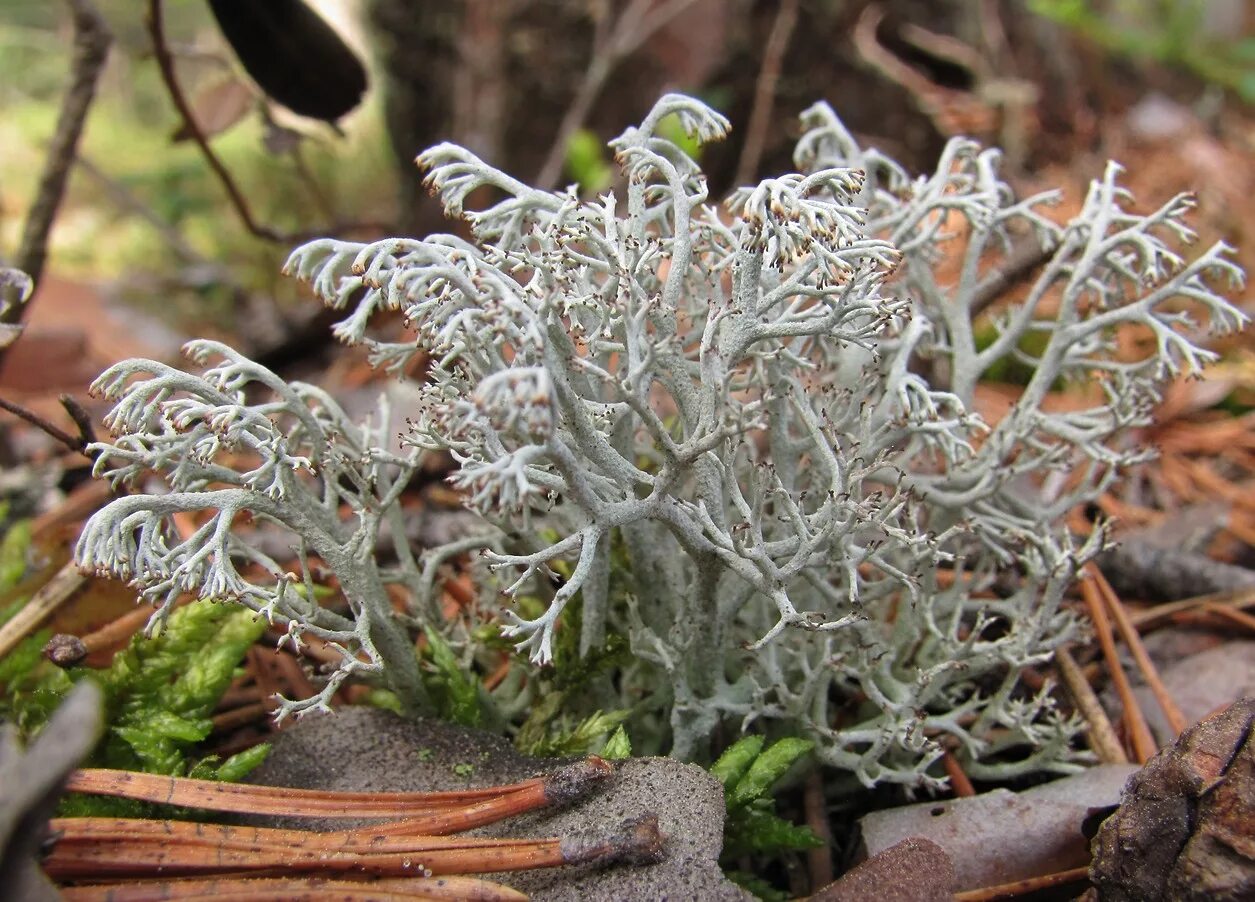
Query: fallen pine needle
column 1176, row 720
column 1023, row 887
column 1101, row 734
column 464, row 889
column 1232, row 614
column 96, row 848
column 1143, row 742
column 1235, row 600
column 452, row 811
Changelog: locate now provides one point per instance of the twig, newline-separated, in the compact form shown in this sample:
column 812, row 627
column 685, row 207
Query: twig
column 71, row 650
column 1102, row 736
column 1023, row 259
column 50, row 596
column 1176, row 720
column 82, row 419
column 91, row 48
column 818, row 861
column 1023, row 887
column 77, row 445
column 765, row 92
column 636, row 25
column 1143, row 742
column 165, row 65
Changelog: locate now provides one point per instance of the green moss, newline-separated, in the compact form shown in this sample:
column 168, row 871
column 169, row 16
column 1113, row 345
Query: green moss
column 159, row 696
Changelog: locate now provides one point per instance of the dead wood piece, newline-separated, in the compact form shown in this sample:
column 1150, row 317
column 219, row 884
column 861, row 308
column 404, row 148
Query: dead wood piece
column 1186, row 827
column 1141, row 570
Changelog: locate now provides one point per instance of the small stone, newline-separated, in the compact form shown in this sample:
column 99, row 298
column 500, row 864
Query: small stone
column 65, row 650
column 914, row 870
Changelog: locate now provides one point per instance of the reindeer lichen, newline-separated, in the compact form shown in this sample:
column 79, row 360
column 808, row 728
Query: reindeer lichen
column 765, row 408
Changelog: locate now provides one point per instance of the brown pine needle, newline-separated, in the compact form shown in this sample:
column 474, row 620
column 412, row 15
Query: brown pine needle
column 562, row 785
column 1176, row 720
column 469, row 889
column 95, row 848
column 1143, row 743
column 1023, row 887
column 1102, row 736
column 1235, row 600
column 1232, row 614
column 959, row 781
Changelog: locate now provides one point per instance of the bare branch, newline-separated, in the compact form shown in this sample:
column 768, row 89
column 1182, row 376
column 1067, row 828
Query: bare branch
column 91, row 48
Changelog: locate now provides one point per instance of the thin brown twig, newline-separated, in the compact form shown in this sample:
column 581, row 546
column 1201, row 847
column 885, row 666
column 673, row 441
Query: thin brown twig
column 165, row 66
column 1026, row 257
column 1102, row 736
column 1176, row 720
column 633, row 27
column 1139, row 733
column 74, row 444
column 82, row 419
column 765, row 91
column 91, row 49
column 819, row 860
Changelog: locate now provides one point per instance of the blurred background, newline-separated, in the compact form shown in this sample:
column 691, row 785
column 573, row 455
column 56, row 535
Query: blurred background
column 149, row 244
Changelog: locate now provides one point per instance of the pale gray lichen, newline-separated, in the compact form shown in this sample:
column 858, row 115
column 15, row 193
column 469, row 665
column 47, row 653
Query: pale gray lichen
column 767, row 406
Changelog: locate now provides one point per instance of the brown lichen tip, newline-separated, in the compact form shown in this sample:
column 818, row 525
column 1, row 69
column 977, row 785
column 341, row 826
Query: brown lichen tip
column 634, row 841
column 569, row 783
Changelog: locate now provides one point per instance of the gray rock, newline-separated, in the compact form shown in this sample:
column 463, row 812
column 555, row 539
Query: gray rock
column 1001, row 836
column 363, row 750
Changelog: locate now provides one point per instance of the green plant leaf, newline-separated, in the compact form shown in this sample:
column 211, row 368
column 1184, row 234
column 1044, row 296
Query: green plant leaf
column 736, row 760
column 234, row 769
column 586, row 161
column 756, row 885
column 582, row 739
column 617, row 746
column 13, row 550
column 766, row 769
column 456, row 692
column 756, row 830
